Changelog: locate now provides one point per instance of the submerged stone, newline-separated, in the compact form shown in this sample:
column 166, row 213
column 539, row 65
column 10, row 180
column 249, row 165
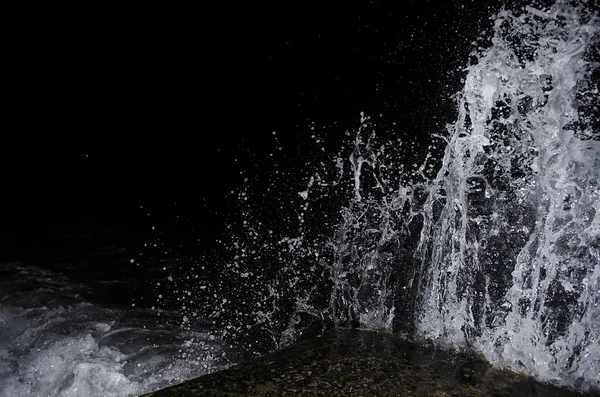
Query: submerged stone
column 352, row 362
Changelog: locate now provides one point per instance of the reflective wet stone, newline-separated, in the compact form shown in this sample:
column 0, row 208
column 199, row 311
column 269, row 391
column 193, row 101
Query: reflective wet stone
column 352, row 362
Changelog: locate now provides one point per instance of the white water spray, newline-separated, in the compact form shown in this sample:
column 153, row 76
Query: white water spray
column 510, row 246
column 493, row 246
column 500, row 251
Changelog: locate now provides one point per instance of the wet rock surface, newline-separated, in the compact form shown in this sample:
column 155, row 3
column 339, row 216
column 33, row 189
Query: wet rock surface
column 352, row 362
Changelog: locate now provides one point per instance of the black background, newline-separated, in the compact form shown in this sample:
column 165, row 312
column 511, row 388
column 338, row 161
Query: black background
column 118, row 112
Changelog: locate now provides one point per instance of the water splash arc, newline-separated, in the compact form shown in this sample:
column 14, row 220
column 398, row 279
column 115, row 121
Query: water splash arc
column 506, row 234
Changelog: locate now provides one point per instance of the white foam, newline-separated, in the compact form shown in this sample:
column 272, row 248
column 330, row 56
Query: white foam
column 53, row 343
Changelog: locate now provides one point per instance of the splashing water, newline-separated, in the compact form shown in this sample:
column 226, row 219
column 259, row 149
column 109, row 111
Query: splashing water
column 491, row 246
column 507, row 234
column 511, row 258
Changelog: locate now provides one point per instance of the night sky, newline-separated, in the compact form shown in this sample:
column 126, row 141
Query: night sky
column 121, row 112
